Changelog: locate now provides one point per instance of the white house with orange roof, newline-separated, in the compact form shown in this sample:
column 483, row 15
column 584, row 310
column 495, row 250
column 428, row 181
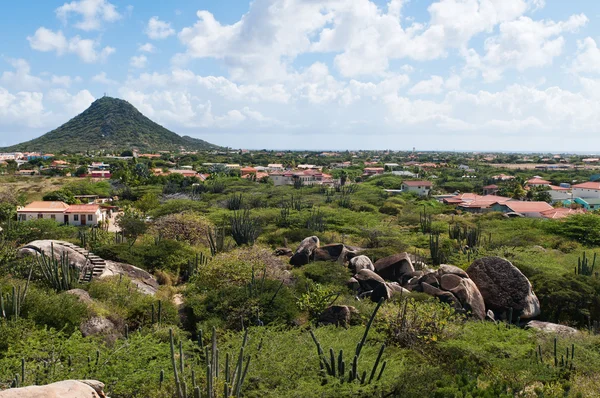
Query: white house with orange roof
column 88, row 214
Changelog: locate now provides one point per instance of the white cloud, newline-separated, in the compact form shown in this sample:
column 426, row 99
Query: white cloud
column 21, row 78
column 157, row 29
column 92, row 13
column 102, row 78
column 523, row 44
column 147, row 48
column 587, row 59
column 46, row 40
column 138, row 61
column 434, row 85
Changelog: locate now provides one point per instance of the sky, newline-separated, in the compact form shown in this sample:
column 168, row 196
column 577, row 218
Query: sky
column 483, row 75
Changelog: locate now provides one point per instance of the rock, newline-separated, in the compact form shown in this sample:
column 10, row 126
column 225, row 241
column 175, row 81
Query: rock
column 305, row 251
column 97, row 325
column 450, row 281
column 387, row 290
column 359, row 263
column 430, row 278
column 444, row 297
column 143, row 280
column 393, row 267
column 368, row 280
column 548, row 327
column 353, row 284
column 469, row 296
column 503, row 286
column 56, row 247
column 334, row 252
column 283, row 251
column 61, row 389
column 451, row 269
column 81, row 294
column 339, row 315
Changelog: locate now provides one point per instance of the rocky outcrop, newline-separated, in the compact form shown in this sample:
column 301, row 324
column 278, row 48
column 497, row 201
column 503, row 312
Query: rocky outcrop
column 359, row 263
column 87, row 262
column 368, row 280
column 392, row 268
column 82, row 295
column 305, row 251
column 387, row 290
column 503, row 287
column 97, row 325
column 61, row 389
column 339, row 315
column 283, row 251
column 548, row 327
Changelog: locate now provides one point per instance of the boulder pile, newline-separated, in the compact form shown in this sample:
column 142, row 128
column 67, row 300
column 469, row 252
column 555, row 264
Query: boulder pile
column 61, row 389
column 491, row 288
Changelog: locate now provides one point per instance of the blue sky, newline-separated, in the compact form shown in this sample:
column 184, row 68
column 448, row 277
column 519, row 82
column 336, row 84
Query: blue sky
column 307, row 74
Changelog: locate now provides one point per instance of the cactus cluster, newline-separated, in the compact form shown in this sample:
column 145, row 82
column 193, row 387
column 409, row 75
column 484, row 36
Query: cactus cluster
column 565, row 361
column 425, row 221
column 10, row 305
column 231, row 376
column 438, row 255
column 584, row 267
column 336, row 367
column 316, row 221
column 60, row 273
column 244, row 228
column 234, row 202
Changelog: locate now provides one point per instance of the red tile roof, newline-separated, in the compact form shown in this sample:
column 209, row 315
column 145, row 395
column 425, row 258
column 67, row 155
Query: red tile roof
column 538, row 181
column 528, row 207
column 561, row 212
column 588, row 185
column 41, row 207
column 82, row 209
column 417, row 183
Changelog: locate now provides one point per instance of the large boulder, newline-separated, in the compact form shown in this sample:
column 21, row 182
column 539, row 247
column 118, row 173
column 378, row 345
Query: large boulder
column 143, row 280
column 97, row 325
column 503, row 286
column 368, row 280
column 61, row 389
column 469, row 296
column 339, row 315
column 305, row 251
column 443, row 296
column 393, row 267
column 82, row 295
column 548, row 327
column 387, row 290
column 451, row 269
column 334, row 252
column 57, row 248
column 359, row 263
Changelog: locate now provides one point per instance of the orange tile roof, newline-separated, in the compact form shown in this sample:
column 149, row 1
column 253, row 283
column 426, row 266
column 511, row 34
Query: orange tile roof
column 417, row 183
column 588, row 185
column 82, row 209
column 49, row 207
column 528, row 207
column 561, row 212
column 538, row 181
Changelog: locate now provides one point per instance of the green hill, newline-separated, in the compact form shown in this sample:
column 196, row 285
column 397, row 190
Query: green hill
column 110, row 124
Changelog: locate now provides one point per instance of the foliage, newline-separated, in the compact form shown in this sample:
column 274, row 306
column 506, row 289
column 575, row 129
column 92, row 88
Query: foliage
column 244, row 229
column 316, row 299
column 185, row 227
column 132, row 224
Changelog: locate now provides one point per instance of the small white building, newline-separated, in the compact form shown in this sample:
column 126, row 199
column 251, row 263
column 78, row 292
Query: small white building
column 49, row 210
column 89, row 214
column 421, row 188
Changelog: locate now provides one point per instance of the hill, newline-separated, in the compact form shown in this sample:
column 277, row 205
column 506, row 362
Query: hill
column 110, row 124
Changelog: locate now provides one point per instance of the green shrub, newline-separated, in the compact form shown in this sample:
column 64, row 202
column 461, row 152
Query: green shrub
column 61, row 311
column 326, row 273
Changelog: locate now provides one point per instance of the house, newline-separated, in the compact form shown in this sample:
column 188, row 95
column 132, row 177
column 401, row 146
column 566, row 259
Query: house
column 88, row 214
column 473, row 203
column 502, row 177
column 185, row 173
column 99, row 174
column 275, row 166
column 421, row 188
column 371, row 171
column 527, row 209
column 248, row 170
column 307, row 177
column 405, row 173
column 35, row 210
column 490, row 189
column 589, row 203
column 27, row 172
column 587, row 190
column 537, row 182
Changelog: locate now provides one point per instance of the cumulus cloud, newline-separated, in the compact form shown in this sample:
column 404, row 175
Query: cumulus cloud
column 147, row 48
column 587, row 59
column 103, row 78
column 91, row 12
column 157, row 29
column 138, row 61
column 46, row 40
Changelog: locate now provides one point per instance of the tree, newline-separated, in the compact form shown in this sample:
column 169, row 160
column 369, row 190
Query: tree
column 132, row 224
column 343, row 177
column 147, row 202
column 62, row 195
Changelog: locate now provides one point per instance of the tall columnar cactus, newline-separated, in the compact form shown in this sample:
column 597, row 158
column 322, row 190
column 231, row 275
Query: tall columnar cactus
column 425, row 221
column 437, row 254
column 230, row 378
column 59, row 273
column 583, row 265
column 337, row 367
column 244, row 229
column 10, row 305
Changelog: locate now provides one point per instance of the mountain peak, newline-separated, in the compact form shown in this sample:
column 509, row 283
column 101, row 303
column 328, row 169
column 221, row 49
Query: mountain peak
column 112, row 124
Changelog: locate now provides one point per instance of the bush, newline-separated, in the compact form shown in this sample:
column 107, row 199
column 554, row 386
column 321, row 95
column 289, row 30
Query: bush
column 326, row 273
column 187, row 227
column 61, row 311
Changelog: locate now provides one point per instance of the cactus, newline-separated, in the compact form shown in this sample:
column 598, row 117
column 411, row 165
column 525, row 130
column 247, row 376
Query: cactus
column 11, row 305
column 328, row 365
column 59, row 273
column 583, row 267
column 234, row 202
column 316, row 221
column 216, row 239
column 425, row 221
column 437, row 255
column 244, row 229
column 232, row 382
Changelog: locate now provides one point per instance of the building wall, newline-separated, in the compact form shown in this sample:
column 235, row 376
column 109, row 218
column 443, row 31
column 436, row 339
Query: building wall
column 586, row 193
column 26, row 216
column 559, row 196
column 90, row 219
column 421, row 191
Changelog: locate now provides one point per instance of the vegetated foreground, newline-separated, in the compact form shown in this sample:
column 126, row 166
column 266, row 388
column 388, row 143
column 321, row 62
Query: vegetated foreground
column 253, row 295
